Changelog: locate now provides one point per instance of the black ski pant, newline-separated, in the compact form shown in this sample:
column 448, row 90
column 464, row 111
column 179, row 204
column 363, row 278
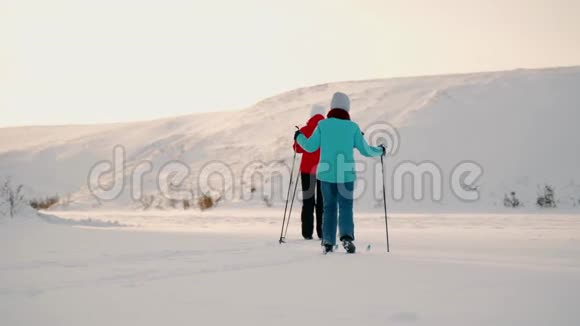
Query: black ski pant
column 311, row 201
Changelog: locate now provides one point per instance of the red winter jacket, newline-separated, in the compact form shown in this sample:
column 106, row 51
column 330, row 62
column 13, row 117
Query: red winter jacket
column 309, row 160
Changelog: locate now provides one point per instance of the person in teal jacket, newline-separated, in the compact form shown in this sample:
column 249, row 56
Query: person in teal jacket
column 336, row 137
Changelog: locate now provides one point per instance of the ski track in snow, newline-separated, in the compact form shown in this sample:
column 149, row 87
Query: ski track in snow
column 443, row 270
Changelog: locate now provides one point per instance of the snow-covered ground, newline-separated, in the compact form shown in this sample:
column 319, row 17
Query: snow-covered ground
column 226, row 268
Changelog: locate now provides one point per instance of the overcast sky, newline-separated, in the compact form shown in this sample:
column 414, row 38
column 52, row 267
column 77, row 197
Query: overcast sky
column 74, row 61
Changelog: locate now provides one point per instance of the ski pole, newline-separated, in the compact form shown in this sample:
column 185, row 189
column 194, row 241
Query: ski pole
column 287, row 198
column 282, row 236
column 291, row 205
column 385, row 203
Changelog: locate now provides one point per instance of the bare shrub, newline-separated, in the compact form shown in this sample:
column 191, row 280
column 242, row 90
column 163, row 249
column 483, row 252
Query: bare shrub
column 205, row 202
column 511, row 201
column 547, row 198
column 13, row 197
column 44, row 203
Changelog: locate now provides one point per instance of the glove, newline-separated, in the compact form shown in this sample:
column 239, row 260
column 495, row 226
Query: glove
column 384, row 149
column 296, row 134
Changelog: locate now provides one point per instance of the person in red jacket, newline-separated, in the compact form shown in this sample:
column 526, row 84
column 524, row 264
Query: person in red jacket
column 311, row 191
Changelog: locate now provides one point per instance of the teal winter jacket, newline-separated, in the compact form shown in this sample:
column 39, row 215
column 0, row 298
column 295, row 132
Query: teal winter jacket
column 337, row 139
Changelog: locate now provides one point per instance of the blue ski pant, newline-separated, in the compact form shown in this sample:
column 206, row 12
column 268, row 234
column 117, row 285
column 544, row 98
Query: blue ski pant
column 338, row 211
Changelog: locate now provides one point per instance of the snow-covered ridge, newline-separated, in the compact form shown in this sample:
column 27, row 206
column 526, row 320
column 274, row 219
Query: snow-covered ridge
column 520, row 126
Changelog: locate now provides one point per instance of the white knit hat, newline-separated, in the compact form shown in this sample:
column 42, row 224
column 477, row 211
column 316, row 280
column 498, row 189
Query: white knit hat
column 340, row 101
column 317, row 109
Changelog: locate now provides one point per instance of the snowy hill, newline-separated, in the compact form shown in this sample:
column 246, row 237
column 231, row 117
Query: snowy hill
column 519, row 126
